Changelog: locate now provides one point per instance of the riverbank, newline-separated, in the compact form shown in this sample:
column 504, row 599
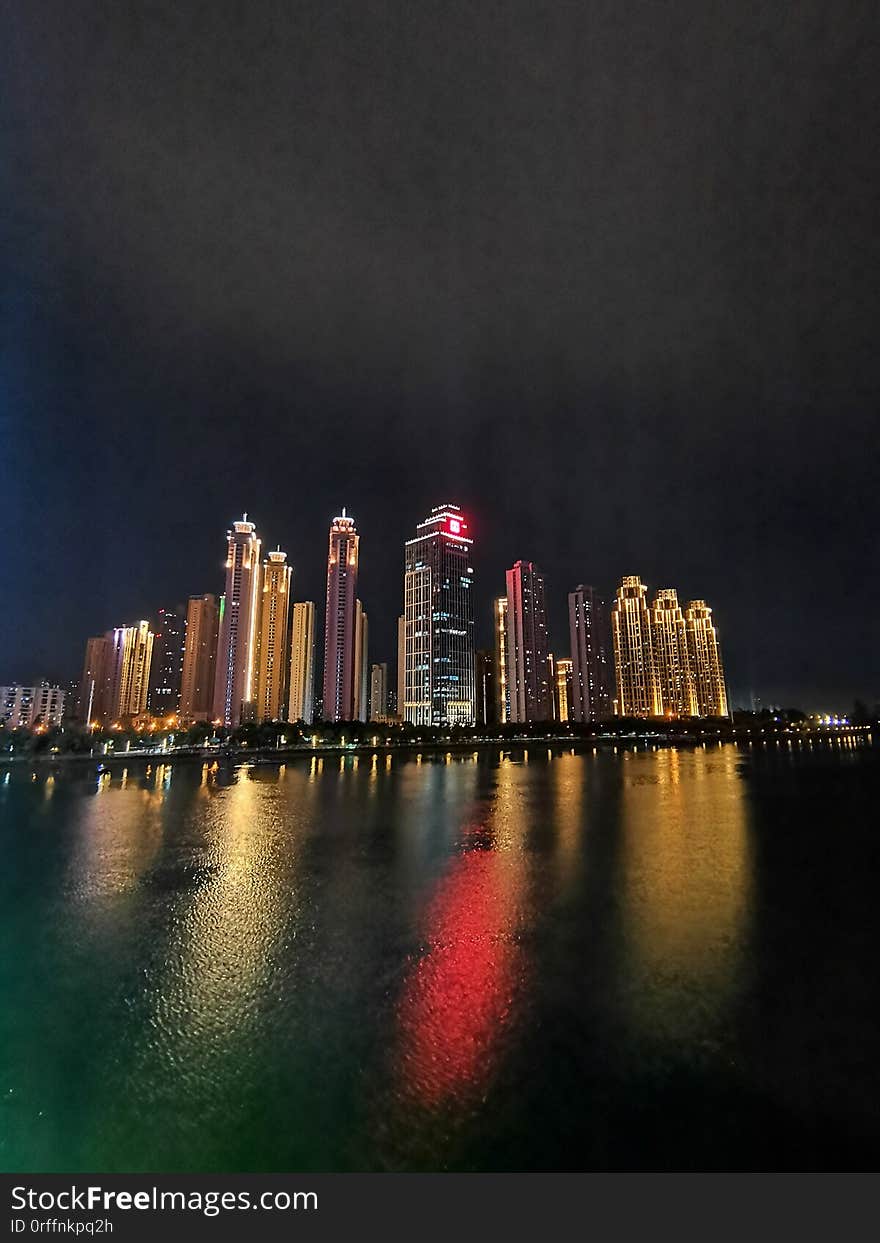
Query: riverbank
column 687, row 739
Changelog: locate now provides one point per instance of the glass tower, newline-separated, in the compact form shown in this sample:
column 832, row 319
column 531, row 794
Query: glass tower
column 439, row 678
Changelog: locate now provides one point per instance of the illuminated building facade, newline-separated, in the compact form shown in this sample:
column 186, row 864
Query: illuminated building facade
column 439, row 678
column 704, row 657
column 129, row 655
column 199, row 658
column 379, row 692
column 301, row 704
column 587, row 628
column 638, row 691
column 273, row 634
column 528, row 669
column 502, row 690
column 669, row 643
column 342, row 689
column 31, row 707
column 94, row 691
column 166, row 668
column 563, row 683
column 234, row 686
column 361, row 663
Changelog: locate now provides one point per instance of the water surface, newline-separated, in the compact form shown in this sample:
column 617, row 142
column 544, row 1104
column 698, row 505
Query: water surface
column 518, row 960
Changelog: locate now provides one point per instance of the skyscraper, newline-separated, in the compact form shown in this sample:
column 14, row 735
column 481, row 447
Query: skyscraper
column 361, row 663
column 341, row 692
column 638, row 691
column 439, row 686
column 199, row 658
column 234, row 681
column 669, row 642
column 499, row 618
column 273, row 637
column 129, row 655
column 166, row 667
column 528, row 672
column 590, row 700
column 704, row 656
column 379, row 692
column 301, row 705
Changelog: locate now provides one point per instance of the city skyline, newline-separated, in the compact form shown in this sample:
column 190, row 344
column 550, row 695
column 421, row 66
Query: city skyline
column 260, row 645
column 744, row 689
column 687, row 652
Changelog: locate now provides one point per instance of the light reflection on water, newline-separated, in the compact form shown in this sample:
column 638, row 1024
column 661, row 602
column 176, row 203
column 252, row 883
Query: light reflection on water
column 522, row 959
column 461, row 995
column 686, row 877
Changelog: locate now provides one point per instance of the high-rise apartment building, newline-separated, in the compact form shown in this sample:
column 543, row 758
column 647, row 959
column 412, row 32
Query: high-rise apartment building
column 273, row 638
column 166, row 667
column 379, row 692
column 502, row 689
column 439, row 679
column 199, row 658
column 93, row 704
column 638, row 691
column 564, row 692
column 669, row 642
column 234, row 685
column 704, row 657
column 342, row 688
column 301, row 704
column 587, row 628
column 31, row 707
column 361, row 663
column 528, row 671
column 129, row 656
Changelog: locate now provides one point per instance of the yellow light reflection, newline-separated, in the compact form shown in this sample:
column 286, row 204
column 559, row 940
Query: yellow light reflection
column 686, row 875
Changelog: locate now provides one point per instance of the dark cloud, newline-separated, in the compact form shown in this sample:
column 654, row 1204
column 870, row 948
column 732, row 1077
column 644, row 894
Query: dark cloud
column 604, row 273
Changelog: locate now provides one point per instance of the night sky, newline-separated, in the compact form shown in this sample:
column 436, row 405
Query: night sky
column 602, row 272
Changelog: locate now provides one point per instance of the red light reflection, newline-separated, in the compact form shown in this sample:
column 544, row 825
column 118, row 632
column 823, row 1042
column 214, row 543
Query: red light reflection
column 458, row 1000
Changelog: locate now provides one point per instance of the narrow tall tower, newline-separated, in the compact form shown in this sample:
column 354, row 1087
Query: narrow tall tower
column 361, row 665
column 234, row 685
column 401, row 665
column 273, row 638
column 499, row 620
column 341, row 695
column 487, row 692
column 528, row 649
column 199, row 658
column 704, row 655
column 669, row 641
column 587, row 628
column 301, row 705
column 638, row 692
column 563, row 681
column 439, row 686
